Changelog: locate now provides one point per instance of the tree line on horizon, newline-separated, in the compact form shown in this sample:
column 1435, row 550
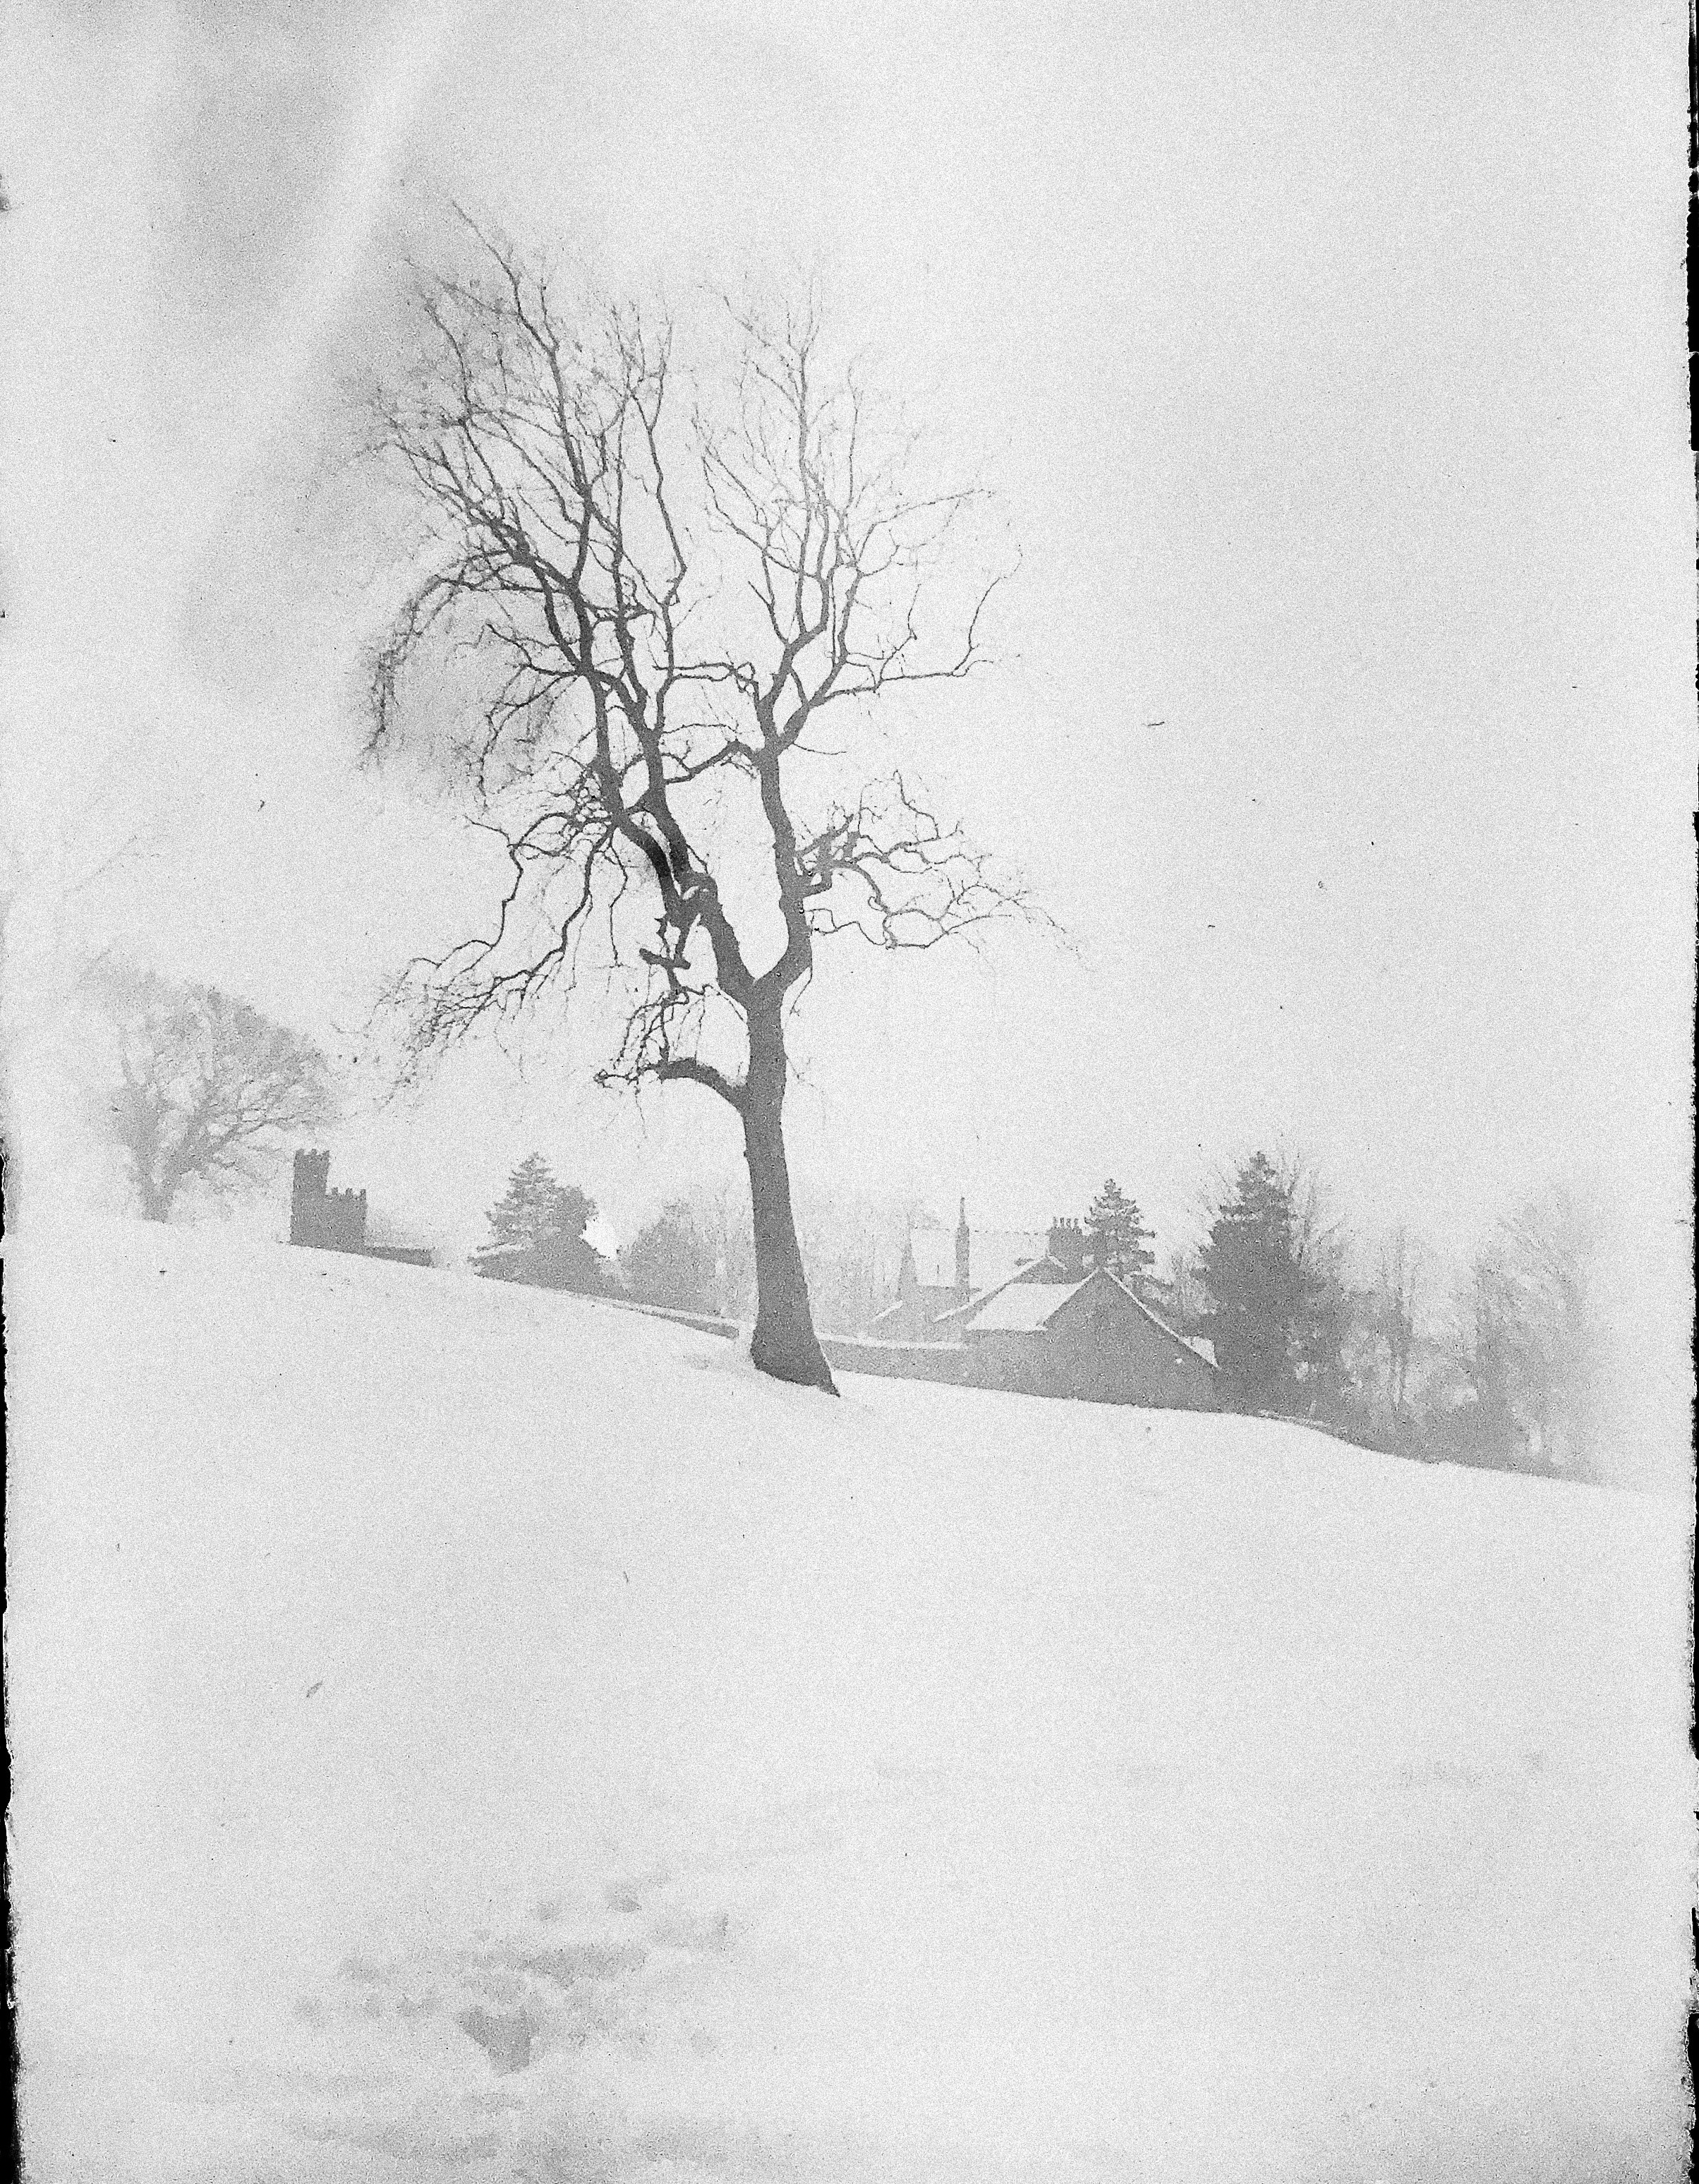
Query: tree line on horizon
column 1501, row 1367
column 1499, row 1371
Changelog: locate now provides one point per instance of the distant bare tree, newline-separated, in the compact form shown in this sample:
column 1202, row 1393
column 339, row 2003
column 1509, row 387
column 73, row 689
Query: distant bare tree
column 1551, row 1249
column 852, row 1245
column 1401, row 1277
column 1527, row 1341
column 199, row 1087
column 1186, row 1295
column 1320, row 1251
column 721, row 1212
column 662, row 605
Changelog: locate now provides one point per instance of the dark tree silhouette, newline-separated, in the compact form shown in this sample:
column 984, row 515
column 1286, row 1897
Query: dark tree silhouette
column 662, row 603
column 197, row 1086
column 1279, row 1313
column 537, row 1232
column 1249, row 1265
column 1119, row 1239
column 672, row 1262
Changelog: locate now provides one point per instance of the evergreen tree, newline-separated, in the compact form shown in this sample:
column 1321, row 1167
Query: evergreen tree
column 1280, row 1315
column 537, row 1232
column 1118, row 1240
column 1256, row 1284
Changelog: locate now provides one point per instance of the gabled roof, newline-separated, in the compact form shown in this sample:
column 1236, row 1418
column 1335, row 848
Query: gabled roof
column 1202, row 1350
column 1027, row 1307
column 1022, row 1307
column 898, row 1314
column 960, row 1314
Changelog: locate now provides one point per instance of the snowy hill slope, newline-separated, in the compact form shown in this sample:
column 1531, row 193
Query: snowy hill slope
column 462, row 1730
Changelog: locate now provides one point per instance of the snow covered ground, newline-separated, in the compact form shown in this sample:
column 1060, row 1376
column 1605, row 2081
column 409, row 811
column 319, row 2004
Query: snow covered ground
column 461, row 1730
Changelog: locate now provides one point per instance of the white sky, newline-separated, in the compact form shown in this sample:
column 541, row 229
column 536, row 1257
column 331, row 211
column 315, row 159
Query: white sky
column 1329, row 364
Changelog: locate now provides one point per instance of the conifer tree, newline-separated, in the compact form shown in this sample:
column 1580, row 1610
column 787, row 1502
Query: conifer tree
column 1256, row 1285
column 1280, row 1315
column 537, row 1232
column 1119, row 1241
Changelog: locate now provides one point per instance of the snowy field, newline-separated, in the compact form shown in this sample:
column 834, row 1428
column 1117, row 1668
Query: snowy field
column 462, row 1732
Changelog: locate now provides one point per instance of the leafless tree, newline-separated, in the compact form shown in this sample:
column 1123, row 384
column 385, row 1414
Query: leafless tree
column 661, row 606
column 1528, row 1337
column 1401, row 1277
column 1551, row 1248
column 1187, row 1297
column 198, row 1086
column 1320, row 1250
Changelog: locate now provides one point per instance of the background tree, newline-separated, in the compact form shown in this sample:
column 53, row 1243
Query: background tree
column 1255, row 1286
column 853, row 1248
column 1279, row 1309
column 1528, row 1346
column 1117, row 1239
column 537, row 1232
column 672, row 1262
column 1329, row 1310
column 662, row 603
column 721, row 1212
column 1484, row 1426
column 1553, row 1249
column 1181, row 1293
column 1395, row 1320
column 197, row 1087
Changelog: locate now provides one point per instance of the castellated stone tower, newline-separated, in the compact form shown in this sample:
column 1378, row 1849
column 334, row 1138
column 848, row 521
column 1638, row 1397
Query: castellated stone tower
column 328, row 1220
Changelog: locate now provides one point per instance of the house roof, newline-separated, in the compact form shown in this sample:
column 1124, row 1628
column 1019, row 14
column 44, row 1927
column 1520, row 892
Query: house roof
column 896, row 1315
column 962, row 1314
column 1021, row 1307
column 1027, row 1307
column 1200, row 1349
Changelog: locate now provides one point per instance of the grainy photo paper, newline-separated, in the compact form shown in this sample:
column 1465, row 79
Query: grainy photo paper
column 847, row 887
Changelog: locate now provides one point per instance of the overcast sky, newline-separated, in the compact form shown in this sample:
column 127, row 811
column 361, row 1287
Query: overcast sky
column 1328, row 364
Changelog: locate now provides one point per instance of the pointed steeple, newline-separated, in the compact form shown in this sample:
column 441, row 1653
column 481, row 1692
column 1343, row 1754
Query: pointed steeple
column 963, row 1244
column 908, row 1281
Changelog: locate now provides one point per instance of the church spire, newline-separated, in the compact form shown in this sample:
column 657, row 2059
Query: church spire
column 963, row 1242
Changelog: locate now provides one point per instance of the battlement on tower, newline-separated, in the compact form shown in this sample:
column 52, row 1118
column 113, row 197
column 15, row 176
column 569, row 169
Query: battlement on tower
column 325, row 1219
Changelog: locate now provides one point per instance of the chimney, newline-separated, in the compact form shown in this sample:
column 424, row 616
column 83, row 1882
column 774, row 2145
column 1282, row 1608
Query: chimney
column 1067, row 1248
column 963, row 1243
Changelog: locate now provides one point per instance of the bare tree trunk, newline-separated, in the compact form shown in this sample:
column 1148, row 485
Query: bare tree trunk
column 785, row 1343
